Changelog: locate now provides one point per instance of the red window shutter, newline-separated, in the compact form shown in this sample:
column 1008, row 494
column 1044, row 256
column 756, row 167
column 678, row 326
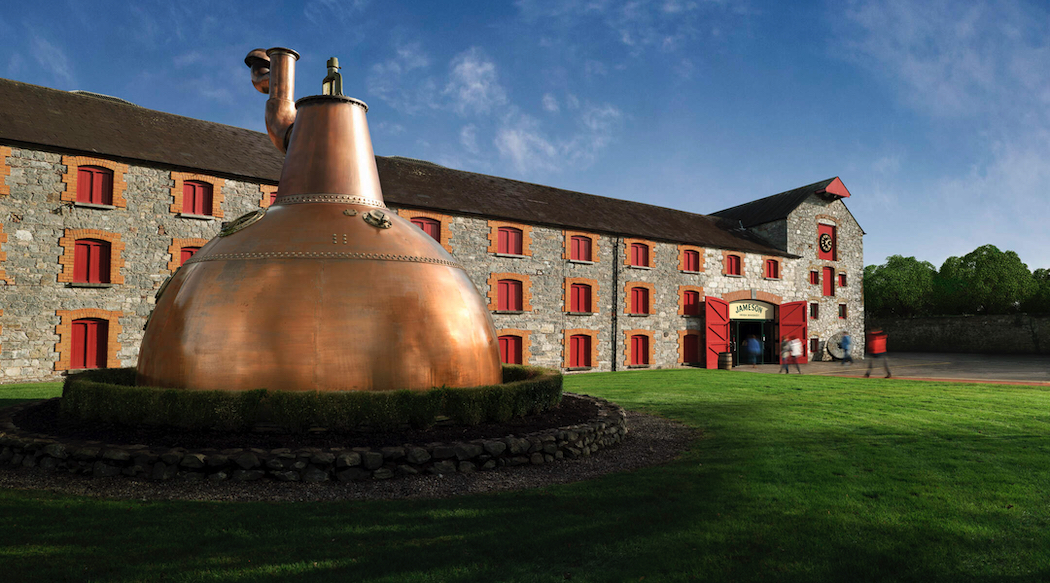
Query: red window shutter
column 814, row 311
column 429, row 226
column 691, row 303
column 205, row 198
column 79, row 350
column 189, row 198
column 273, row 197
column 580, row 350
column 509, row 295
column 510, row 349
column 581, row 248
column 186, row 253
column 842, row 280
column 105, row 193
column 581, row 298
column 639, row 300
column 716, row 319
column 733, row 264
column 639, row 349
column 772, row 269
column 509, row 241
column 831, row 253
column 691, row 348
column 89, row 343
column 196, row 198
column 503, row 295
column 692, row 261
column 814, row 345
column 81, row 257
column 814, row 277
column 100, row 262
column 639, row 254
column 829, row 281
column 85, row 182
column 793, row 324
column 842, row 311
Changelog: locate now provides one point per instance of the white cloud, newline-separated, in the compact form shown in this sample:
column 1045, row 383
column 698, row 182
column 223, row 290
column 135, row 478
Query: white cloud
column 550, row 103
column 321, row 12
column 468, row 137
column 402, row 81
column 522, row 141
column 474, row 83
column 53, row 59
column 15, row 65
column 186, row 59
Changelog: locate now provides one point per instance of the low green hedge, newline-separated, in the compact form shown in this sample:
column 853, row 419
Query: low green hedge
column 110, row 395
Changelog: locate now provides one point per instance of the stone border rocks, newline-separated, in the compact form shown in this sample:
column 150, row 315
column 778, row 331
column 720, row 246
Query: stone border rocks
column 312, row 464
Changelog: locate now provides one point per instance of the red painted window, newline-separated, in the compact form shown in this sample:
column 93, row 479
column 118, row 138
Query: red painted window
column 639, row 300
column 772, row 269
column 90, row 340
column 509, row 295
column 273, row 197
column 188, row 252
column 829, row 281
column 580, row 350
column 94, row 185
column 733, row 265
column 639, row 255
column 581, row 248
column 509, row 241
column 814, row 345
column 814, row 311
column 842, row 280
column 580, row 301
column 826, row 242
column 196, row 198
column 691, row 261
column 429, row 226
column 691, row 302
column 842, row 311
column 691, row 348
column 639, row 349
column 510, row 349
column 91, row 261
column 814, row 277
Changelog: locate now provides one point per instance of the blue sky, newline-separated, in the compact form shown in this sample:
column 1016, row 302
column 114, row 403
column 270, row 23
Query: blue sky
column 935, row 114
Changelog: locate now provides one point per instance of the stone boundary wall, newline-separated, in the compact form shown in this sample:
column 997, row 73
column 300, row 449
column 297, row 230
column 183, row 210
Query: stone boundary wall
column 1005, row 334
column 313, row 464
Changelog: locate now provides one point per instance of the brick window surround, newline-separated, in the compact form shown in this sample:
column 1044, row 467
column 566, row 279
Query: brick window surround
column 725, row 263
column 567, row 340
column 446, row 221
column 64, row 329
column 526, row 290
column 216, row 191
column 681, row 343
column 3, row 255
column 5, row 171
column 627, row 334
column 526, row 343
column 627, row 251
column 266, row 192
column 567, row 289
column 779, row 267
column 681, row 297
column 526, row 236
column 628, row 308
column 73, row 164
column 758, row 295
column 567, row 244
column 68, row 242
column 681, row 256
column 176, row 251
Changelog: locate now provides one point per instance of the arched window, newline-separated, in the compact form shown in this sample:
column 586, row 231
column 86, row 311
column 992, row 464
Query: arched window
column 196, row 198
column 91, row 261
column 186, row 253
column 509, row 295
column 510, row 349
column 90, row 343
column 639, row 255
column 429, row 226
column 772, row 269
column 509, row 241
column 580, row 301
column 580, row 351
column 639, row 349
column 691, row 302
column 691, row 260
column 733, row 265
column 639, row 300
column 581, row 248
column 94, row 185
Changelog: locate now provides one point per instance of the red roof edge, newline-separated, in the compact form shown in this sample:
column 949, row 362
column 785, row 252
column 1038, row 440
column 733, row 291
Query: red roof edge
column 837, row 188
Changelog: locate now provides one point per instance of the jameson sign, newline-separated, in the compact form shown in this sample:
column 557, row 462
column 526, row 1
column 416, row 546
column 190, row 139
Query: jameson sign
column 750, row 310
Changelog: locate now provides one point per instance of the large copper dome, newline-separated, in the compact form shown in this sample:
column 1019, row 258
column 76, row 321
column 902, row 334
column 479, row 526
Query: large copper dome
column 326, row 290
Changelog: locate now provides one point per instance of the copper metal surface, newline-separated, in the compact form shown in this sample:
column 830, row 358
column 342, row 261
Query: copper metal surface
column 273, row 72
column 327, row 291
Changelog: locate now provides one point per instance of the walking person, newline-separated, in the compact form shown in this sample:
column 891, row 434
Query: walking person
column 785, row 355
column 875, row 345
column 846, row 344
column 753, row 349
column 796, row 353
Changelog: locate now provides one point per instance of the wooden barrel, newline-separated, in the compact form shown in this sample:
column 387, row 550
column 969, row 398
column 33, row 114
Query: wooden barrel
column 725, row 360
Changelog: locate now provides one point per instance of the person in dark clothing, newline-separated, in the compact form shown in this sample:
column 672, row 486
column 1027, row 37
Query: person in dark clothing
column 753, row 348
column 875, row 344
column 846, row 345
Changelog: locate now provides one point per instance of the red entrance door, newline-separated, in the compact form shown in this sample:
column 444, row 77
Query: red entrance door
column 716, row 313
column 793, row 325
column 90, row 338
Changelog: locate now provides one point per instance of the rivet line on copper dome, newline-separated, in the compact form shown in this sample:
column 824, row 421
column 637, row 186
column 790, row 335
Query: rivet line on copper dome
column 330, row 198
column 320, row 255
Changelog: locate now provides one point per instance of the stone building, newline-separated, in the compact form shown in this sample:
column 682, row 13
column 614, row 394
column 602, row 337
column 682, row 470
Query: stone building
column 101, row 201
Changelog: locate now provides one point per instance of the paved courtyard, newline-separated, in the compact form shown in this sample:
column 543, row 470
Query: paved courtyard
column 983, row 368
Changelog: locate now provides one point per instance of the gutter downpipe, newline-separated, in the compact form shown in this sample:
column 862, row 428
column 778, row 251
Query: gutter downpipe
column 616, row 300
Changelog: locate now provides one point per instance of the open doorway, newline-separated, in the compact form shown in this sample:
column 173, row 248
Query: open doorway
column 764, row 331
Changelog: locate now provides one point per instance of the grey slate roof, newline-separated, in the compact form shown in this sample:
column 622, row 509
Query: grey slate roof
column 38, row 116
column 771, row 208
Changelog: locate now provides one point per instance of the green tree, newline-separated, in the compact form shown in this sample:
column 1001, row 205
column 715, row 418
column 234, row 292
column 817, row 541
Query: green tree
column 1039, row 301
column 901, row 287
column 984, row 281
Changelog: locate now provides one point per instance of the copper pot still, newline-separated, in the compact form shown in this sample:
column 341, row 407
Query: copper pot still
column 326, row 290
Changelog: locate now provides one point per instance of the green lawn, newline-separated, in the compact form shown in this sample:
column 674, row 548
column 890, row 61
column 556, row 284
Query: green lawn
column 797, row 478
